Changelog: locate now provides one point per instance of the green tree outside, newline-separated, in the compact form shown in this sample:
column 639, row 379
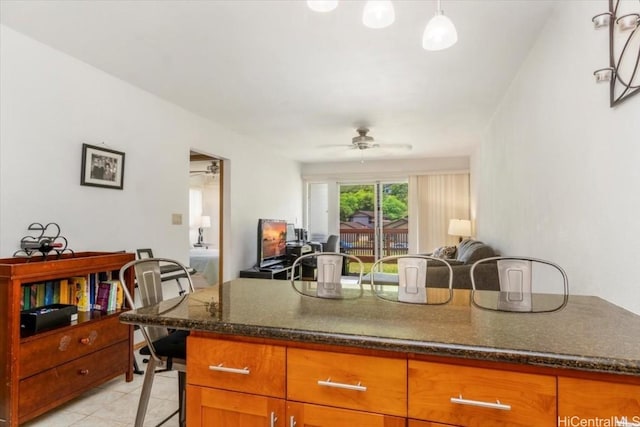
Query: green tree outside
column 355, row 198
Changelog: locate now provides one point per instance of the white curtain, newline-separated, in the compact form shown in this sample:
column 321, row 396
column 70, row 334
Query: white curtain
column 433, row 201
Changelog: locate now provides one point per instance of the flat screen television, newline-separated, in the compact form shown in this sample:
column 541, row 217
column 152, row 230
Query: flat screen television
column 272, row 242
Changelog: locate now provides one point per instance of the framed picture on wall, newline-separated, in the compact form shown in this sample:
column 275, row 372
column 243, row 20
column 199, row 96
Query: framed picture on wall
column 102, row 167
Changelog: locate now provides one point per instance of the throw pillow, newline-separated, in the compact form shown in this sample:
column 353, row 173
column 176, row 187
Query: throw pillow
column 445, row 252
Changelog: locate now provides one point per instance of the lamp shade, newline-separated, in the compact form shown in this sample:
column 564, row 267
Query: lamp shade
column 378, row 14
column 460, row 227
column 205, row 222
column 322, row 5
column 440, row 33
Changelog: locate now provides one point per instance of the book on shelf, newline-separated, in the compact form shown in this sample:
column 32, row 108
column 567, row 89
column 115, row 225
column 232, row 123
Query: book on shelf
column 102, row 296
column 33, row 295
column 48, row 293
column 93, row 287
column 82, row 292
column 25, row 302
column 40, row 292
column 64, row 292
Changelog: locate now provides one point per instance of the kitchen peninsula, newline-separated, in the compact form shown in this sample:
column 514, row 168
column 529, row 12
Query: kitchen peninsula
column 370, row 362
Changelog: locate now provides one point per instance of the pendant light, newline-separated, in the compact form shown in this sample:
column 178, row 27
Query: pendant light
column 378, row 14
column 440, row 32
column 322, row 5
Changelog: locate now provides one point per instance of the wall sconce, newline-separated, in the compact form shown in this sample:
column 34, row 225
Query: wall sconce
column 622, row 73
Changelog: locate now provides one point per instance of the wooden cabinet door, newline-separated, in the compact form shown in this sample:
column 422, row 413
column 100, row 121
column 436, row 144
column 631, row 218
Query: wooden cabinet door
column 589, row 400
column 307, row 415
column 219, row 408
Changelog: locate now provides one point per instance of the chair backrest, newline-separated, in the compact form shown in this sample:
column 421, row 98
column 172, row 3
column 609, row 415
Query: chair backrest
column 516, row 280
column 330, row 281
column 409, row 282
column 150, row 290
column 331, row 245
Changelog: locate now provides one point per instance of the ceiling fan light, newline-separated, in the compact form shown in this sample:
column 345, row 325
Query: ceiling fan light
column 322, row 5
column 378, row 14
column 440, row 33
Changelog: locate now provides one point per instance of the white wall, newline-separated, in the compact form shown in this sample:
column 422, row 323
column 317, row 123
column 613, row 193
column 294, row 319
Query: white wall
column 52, row 103
column 556, row 174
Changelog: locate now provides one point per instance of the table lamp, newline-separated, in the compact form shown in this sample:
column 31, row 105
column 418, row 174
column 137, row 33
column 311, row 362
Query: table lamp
column 460, row 227
column 205, row 222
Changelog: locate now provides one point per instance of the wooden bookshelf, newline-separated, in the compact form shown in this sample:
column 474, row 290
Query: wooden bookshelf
column 43, row 370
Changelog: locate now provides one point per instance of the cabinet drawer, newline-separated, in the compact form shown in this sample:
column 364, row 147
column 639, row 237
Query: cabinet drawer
column 366, row 383
column 306, row 415
column 245, row 367
column 476, row 396
column 588, row 399
column 51, row 350
column 72, row 378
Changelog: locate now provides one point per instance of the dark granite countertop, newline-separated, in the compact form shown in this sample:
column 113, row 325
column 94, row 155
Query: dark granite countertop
column 589, row 334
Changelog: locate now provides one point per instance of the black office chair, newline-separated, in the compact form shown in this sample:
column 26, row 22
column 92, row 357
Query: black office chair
column 163, row 346
column 332, row 244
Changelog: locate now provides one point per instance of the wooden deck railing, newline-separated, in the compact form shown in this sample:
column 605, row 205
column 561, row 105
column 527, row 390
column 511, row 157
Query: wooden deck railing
column 360, row 242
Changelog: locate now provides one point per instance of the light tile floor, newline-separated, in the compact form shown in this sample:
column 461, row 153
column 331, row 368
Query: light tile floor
column 114, row 404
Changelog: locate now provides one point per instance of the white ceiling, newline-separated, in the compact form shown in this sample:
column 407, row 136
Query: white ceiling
column 295, row 79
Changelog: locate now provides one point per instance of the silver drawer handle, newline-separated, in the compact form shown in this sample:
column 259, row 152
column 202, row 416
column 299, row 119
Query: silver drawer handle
column 292, row 421
column 221, row 368
column 273, row 420
column 461, row 401
column 329, row 383
column 624, row 423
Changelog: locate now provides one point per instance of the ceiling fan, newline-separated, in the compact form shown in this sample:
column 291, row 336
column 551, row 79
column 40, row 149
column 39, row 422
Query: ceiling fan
column 365, row 142
column 211, row 170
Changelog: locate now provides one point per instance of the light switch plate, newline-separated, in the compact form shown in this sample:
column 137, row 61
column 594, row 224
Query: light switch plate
column 176, row 219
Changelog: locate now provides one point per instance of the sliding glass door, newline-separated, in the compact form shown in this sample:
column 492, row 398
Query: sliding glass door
column 374, row 219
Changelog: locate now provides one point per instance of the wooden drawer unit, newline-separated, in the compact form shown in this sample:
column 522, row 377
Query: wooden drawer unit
column 245, row 367
column 366, row 383
column 580, row 399
column 40, row 353
column 72, row 378
column 306, row 415
column 469, row 396
column 213, row 407
column 47, row 368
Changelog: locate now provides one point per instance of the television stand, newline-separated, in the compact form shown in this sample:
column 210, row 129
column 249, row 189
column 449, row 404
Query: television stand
column 279, row 271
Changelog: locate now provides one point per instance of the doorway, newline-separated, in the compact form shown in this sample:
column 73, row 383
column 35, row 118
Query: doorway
column 205, row 217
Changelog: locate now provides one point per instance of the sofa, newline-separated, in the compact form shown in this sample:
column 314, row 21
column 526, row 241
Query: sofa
column 466, row 253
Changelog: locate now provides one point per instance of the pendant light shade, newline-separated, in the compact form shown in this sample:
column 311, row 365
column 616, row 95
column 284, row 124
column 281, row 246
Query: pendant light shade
column 322, row 5
column 378, row 14
column 440, row 32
